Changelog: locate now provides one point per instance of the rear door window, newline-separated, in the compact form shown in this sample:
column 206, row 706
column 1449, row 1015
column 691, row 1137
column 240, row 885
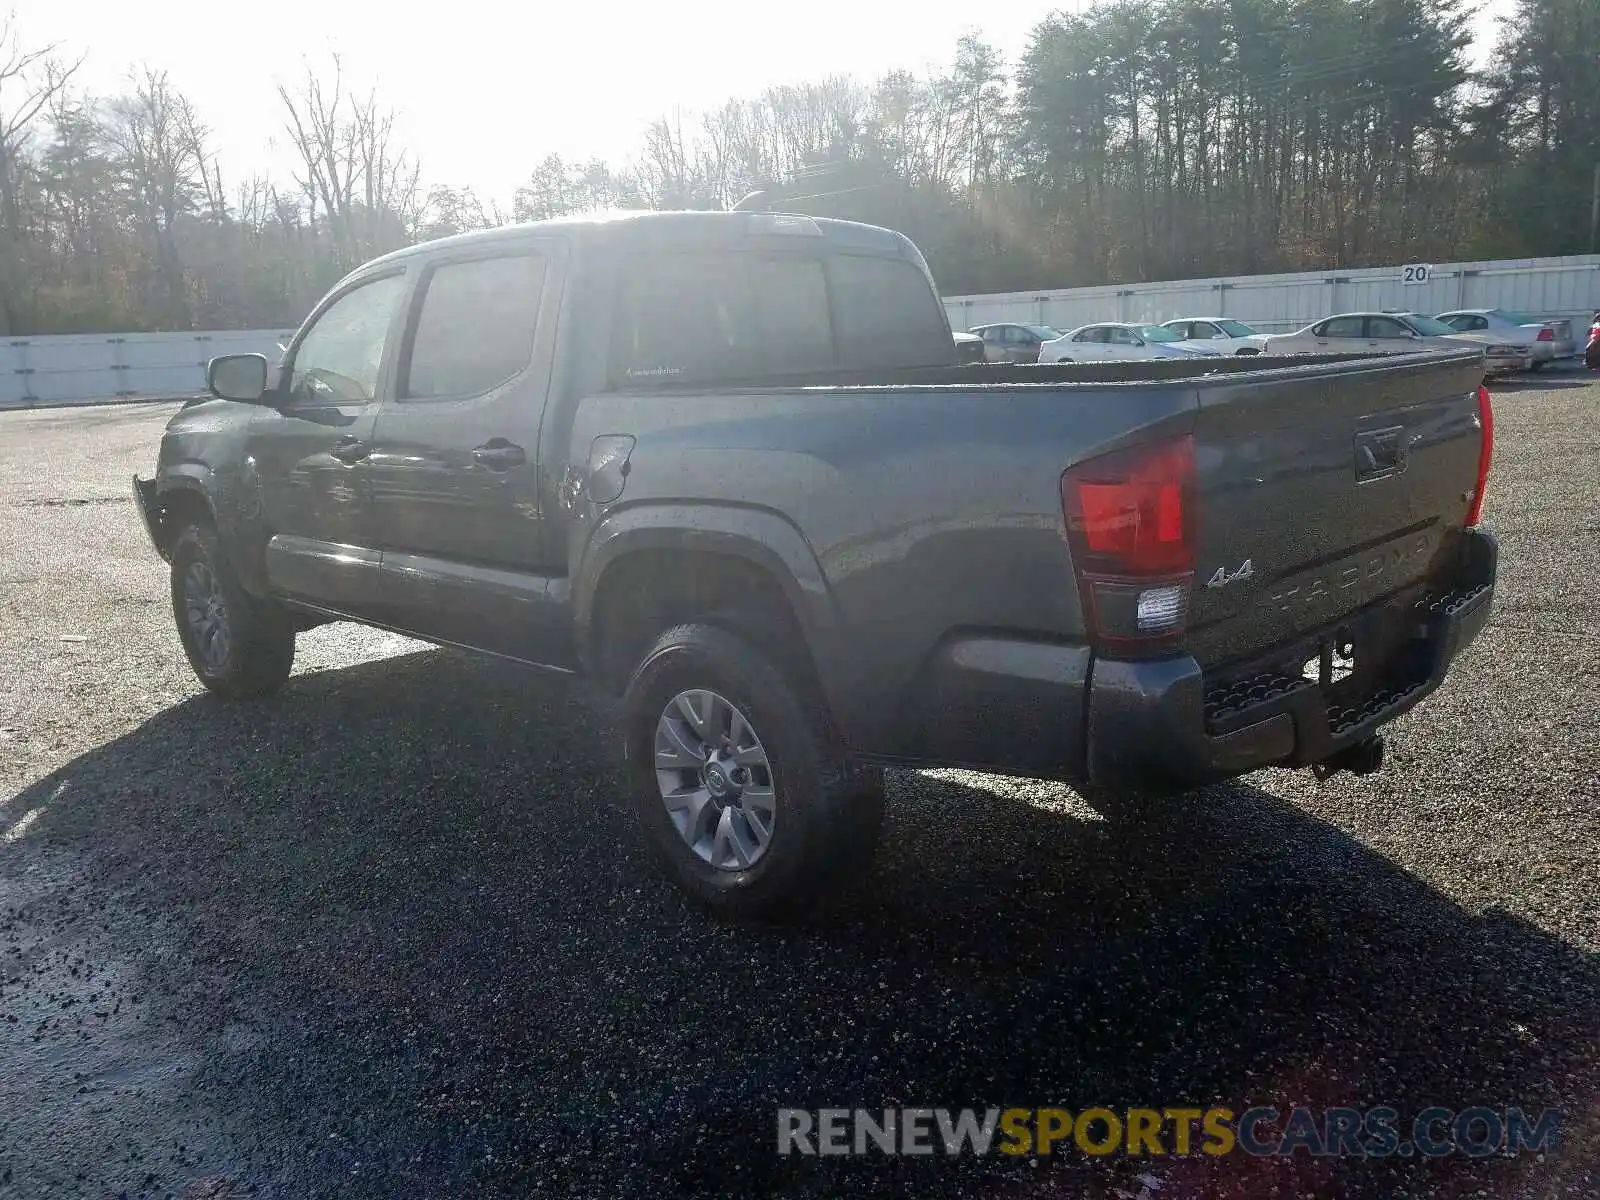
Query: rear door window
column 476, row 327
column 1343, row 327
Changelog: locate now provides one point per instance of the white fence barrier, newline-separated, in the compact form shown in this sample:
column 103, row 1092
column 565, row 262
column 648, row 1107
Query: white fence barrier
column 103, row 368
column 1542, row 287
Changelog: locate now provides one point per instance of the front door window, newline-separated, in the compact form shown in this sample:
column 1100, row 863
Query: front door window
column 338, row 359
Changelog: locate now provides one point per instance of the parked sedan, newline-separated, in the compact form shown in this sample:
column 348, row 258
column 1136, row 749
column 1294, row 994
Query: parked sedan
column 1391, row 333
column 1117, row 341
column 1008, row 342
column 1545, row 341
column 1219, row 335
column 969, row 347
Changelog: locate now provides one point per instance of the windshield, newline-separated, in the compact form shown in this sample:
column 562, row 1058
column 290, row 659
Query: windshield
column 1236, row 328
column 1428, row 327
column 1043, row 331
column 1156, row 333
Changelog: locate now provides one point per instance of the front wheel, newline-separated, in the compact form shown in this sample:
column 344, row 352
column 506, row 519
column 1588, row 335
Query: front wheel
column 238, row 646
column 737, row 782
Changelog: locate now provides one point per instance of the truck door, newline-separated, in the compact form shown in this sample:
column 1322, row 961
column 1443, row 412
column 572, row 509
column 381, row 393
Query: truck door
column 455, row 481
column 306, row 459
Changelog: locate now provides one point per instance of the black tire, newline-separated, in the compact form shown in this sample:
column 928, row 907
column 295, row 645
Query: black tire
column 827, row 811
column 1536, row 366
column 259, row 645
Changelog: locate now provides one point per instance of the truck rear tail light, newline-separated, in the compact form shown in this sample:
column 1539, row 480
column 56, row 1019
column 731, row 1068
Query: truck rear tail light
column 1547, row 335
column 1130, row 522
column 1485, row 454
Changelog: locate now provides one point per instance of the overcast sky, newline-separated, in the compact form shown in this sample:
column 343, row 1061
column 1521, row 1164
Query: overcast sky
column 485, row 90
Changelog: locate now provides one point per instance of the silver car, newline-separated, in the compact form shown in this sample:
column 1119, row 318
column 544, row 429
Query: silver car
column 1118, row 341
column 1010, row 341
column 1545, row 341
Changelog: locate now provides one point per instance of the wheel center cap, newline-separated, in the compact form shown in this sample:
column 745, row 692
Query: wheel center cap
column 717, row 782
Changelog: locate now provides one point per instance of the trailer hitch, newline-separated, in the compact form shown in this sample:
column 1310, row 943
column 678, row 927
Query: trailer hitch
column 1364, row 758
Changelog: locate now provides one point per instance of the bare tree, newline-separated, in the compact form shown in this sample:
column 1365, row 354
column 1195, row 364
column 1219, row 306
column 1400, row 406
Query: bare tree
column 367, row 188
column 154, row 131
column 326, row 143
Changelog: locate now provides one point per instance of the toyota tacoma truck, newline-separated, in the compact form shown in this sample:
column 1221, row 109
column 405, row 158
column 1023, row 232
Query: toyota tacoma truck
column 728, row 467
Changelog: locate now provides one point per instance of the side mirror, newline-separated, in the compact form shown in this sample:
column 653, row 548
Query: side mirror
column 238, row 377
column 1138, row 341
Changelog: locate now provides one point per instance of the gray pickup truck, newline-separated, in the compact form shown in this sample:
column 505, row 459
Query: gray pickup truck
column 727, row 466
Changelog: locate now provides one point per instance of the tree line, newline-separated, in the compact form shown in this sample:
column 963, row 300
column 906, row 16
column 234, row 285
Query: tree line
column 1138, row 140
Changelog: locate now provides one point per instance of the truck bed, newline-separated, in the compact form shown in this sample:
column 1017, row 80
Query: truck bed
column 929, row 506
column 1009, row 375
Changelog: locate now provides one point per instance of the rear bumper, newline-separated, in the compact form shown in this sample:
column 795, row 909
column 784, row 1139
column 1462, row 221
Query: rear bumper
column 1554, row 351
column 1053, row 710
column 1506, row 364
column 1166, row 722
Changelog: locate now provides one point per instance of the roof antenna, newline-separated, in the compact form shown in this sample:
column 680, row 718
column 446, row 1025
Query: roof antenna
column 754, row 202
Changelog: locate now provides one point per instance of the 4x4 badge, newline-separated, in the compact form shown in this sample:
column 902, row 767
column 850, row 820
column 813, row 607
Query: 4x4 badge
column 1223, row 578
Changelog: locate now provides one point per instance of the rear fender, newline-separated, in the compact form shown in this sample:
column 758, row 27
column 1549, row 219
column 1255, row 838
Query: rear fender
column 759, row 536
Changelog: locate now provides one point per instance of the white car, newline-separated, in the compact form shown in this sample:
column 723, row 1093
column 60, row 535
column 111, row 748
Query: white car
column 1545, row 341
column 1390, row 333
column 1216, row 335
column 1117, row 341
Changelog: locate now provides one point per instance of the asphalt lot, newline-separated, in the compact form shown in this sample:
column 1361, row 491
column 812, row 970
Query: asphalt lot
column 389, row 934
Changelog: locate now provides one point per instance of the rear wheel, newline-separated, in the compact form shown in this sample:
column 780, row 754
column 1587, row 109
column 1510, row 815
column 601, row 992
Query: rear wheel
column 737, row 782
column 1536, row 365
column 237, row 645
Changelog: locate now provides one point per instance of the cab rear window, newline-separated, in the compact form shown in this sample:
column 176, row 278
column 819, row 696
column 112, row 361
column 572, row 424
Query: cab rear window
column 709, row 316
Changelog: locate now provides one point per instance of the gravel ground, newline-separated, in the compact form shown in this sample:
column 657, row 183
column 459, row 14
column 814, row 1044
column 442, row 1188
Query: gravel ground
column 389, row 933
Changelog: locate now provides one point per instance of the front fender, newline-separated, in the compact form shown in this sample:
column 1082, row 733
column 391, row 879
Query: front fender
column 227, row 499
column 759, row 536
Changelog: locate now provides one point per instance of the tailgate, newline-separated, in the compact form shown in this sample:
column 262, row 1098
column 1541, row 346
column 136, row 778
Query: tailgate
column 1323, row 489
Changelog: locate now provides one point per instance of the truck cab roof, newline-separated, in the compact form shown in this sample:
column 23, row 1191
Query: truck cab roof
column 669, row 230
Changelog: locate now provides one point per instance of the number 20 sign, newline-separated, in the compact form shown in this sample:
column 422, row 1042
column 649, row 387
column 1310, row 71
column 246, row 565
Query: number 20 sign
column 1415, row 273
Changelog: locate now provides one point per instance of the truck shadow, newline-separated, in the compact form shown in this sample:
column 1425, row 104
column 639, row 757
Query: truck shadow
column 447, row 965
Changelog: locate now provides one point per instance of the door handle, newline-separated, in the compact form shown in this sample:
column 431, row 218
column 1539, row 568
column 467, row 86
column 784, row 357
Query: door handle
column 500, row 455
column 350, row 450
